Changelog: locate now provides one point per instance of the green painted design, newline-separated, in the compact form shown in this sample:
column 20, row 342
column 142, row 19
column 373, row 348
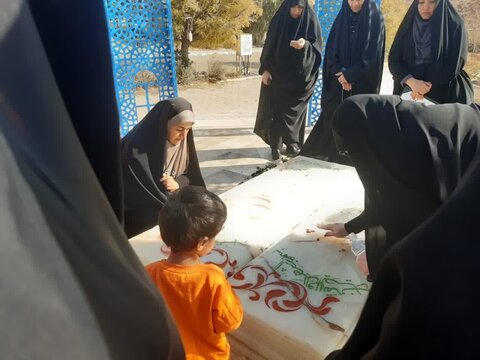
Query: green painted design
column 319, row 283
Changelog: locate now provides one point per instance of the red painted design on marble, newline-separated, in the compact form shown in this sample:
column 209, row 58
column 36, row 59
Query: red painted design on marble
column 282, row 295
column 323, row 309
column 224, row 260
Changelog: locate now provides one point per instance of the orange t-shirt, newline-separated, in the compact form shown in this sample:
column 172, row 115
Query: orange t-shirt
column 203, row 305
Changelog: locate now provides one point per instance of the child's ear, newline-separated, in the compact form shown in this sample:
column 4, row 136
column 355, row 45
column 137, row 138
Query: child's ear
column 202, row 242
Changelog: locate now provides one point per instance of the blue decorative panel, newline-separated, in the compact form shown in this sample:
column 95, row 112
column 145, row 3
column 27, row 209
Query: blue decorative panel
column 141, row 38
column 327, row 11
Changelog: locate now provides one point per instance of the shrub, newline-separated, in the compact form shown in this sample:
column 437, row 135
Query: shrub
column 185, row 70
column 216, row 71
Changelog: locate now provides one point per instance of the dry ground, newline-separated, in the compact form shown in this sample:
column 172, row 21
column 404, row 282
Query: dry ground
column 473, row 69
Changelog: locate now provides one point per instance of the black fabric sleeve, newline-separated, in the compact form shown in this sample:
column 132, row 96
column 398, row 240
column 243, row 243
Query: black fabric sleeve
column 182, row 180
column 396, row 64
column 360, row 223
column 331, row 58
column 371, row 56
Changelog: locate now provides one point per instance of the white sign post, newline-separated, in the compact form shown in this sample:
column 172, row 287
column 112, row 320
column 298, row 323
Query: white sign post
column 246, row 45
column 246, row 50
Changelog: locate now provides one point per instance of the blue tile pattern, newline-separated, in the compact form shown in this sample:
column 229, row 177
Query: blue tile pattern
column 141, row 37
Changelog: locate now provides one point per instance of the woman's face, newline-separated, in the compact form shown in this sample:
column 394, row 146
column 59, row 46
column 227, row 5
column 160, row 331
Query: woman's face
column 177, row 133
column 355, row 5
column 426, row 8
column 296, row 11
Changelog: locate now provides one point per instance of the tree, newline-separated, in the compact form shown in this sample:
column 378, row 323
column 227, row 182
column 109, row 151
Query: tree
column 394, row 11
column 213, row 23
column 259, row 27
column 183, row 12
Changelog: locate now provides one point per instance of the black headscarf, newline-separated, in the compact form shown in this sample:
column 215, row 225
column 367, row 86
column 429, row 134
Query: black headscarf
column 424, row 301
column 292, row 69
column 409, row 157
column 143, row 153
column 447, row 53
column 355, row 46
column 71, row 286
column 422, row 40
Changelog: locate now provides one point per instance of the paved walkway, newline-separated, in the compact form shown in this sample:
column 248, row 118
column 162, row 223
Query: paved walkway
column 227, row 148
column 225, row 113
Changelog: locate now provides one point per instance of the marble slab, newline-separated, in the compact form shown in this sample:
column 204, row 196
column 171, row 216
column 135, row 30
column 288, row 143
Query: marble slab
column 229, row 256
column 302, row 293
column 265, row 209
column 306, row 293
column 408, row 96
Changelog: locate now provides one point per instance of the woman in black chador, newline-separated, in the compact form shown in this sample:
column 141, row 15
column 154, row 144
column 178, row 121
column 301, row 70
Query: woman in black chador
column 409, row 157
column 423, row 303
column 429, row 53
column 353, row 65
column 289, row 67
column 158, row 157
column 71, row 285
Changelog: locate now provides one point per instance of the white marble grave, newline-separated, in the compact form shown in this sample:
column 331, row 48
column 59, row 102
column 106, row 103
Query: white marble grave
column 302, row 293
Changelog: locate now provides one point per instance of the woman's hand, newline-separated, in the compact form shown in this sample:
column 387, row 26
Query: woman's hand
column 341, row 78
column 266, row 77
column 170, row 184
column 343, row 81
column 347, row 86
column 336, row 229
column 419, row 87
column 416, row 96
column 298, row 44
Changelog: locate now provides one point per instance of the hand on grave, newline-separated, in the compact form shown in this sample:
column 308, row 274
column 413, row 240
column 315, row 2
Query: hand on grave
column 170, row 184
column 336, row 229
column 266, row 77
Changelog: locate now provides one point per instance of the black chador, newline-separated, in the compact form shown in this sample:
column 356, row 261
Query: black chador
column 422, row 304
column 355, row 47
column 433, row 50
column 144, row 160
column 409, row 157
column 71, row 285
column 283, row 104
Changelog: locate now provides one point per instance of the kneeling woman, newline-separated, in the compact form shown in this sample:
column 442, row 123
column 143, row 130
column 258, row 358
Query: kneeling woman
column 407, row 314
column 409, row 157
column 158, row 158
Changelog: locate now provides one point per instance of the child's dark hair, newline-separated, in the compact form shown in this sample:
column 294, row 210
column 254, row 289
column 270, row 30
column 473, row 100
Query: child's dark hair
column 190, row 214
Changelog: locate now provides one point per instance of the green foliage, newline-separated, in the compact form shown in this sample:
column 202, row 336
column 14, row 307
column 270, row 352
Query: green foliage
column 394, row 12
column 185, row 71
column 216, row 23
column 216, row 71
column 259, row 27
column 181, row 9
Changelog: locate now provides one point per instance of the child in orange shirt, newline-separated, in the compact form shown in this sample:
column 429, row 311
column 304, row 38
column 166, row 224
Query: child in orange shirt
column 200, row 299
